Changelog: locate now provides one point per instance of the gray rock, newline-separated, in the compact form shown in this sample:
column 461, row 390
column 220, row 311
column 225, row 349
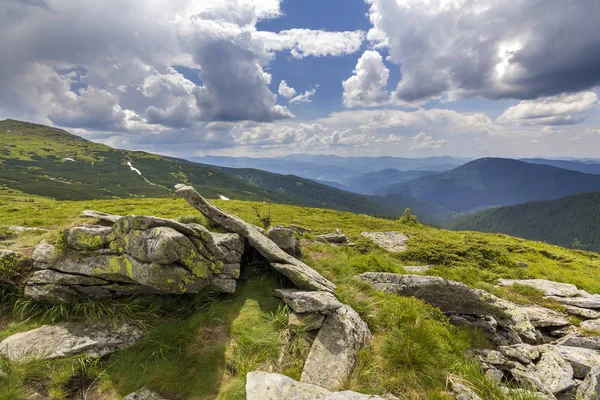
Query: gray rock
column 590, row 387
column 455, row 297
column 592, row 342
column 590, row 301
column 299, row 273
column 286, row 239
column 522, row 352
column 101, row 216
column 582, row 360
column 541, row 317
column 592, row 325
column 582, row 312
column 266, row 386
column 300, row 230
column 464, row 393
column 44, row 252
column 143, row 394
column 522, row 264
column 394, row 242
column 334, row 352
column 308, row 302
column 495, row 375
column 335, row 238
column 306, row 322
column 526, row 378
column 554, row 372
column 550, row 288
column 88, row 237
column 67, row 339
column 51, row 277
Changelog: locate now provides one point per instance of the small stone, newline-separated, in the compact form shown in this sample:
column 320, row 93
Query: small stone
column 308, row 302
column 286, row 239
column 306, row 322
column 43, row 252
column 300, row 230
column 495, row 375
column 522, row 264
column 143, row 394
column 335, row 238
column 464, row 393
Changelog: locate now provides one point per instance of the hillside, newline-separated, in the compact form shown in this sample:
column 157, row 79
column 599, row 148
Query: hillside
column 205, row 345
column 581, row 166
column 372, row 182
column 50, row 162
column 572, row 221
column 491, row 182
column 313, row 194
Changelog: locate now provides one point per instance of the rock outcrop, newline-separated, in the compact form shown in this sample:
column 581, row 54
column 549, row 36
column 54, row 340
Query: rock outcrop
column 67, row 339
column 266, row 386
column 394, row 242
column 300, row 274
column 308, row 302
column 136, row 255
column 509, row 324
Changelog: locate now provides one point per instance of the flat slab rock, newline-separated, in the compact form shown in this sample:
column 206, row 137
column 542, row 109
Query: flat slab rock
column 333, row 354
column 550, row 288
column 308, row 302
column 266, row 386
column 590, row 387
column 394, row 242
column 67, row 339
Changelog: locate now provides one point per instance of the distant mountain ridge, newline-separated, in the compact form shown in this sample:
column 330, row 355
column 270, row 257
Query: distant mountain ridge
column 572, row 221
column 585, row 167
column 495, row 182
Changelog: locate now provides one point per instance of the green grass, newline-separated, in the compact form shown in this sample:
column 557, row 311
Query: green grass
column 201, row 346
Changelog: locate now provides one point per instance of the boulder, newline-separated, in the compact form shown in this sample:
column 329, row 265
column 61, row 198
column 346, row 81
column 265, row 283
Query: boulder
column 592, row 342
column 582, row 312
column 394, row 242
column 590, row 387
column 590, row 301
column 67, row 339
column 300, row 230
column 550, row 288
column 582, row 360
column 143, row 394
column 522, row 352
column 541, row 317
column 591, row 325
column 308, row 302
column 286, row 239
column 109, row 218
column 554, row 372
column 462, row 392
column 335, row 238
column 334, row 352
column 458, row 298
column 266, row 386
column 295, row 270
column 305, row 322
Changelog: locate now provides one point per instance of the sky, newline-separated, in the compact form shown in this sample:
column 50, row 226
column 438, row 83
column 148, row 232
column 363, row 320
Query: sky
column 407, row 78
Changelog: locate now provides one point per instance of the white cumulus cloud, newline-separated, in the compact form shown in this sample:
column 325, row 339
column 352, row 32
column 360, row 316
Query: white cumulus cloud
column 367, row 87
column 422, row 141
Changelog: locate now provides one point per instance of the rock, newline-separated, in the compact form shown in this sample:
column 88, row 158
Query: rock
column 590, row 387
column 88, row 237
column 101, row 216
column 458, row 298
column 541, row 317
column 582, row 360
column 44, row 252
column 335, row 238
column 286, row 239
column 266, row 386
column 522, row 264
column 592, row 342
column 300, row 230
column 464, row 393
column 67, row 339
column 417, row 269
column 306, row 322
column 526, row 378
column 591, row 301
column 554, row 372
column 334, row 352
column 48, row 276
column 299, row 273
column 591, row 325
column 550, row 288
column 143, row 394
column 394, row 242
column 523, row 352
column 582, row 312
column 495, row 375
column 308, row 302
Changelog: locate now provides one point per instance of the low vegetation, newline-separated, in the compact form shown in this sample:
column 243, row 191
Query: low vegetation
column 201, row 346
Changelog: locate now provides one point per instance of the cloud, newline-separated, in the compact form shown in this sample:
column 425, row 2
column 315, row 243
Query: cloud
column 423, row 142
column 316, row 43
column 464, row 48
column 305, row 97
column 367, row 86
column 553, row 110
column 286, row 91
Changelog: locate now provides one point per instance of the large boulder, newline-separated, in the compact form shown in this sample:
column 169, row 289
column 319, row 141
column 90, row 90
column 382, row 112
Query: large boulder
column 582, row 360
column 286, row 239
column 457, row 298
column 394, row 242
column 590, row 387
column 541, row 317
column 67, row 339
column 554, row 372
column 266, row 386
column 591, row 342
column 308, row 302
column 136, row 255
column 334, row 352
